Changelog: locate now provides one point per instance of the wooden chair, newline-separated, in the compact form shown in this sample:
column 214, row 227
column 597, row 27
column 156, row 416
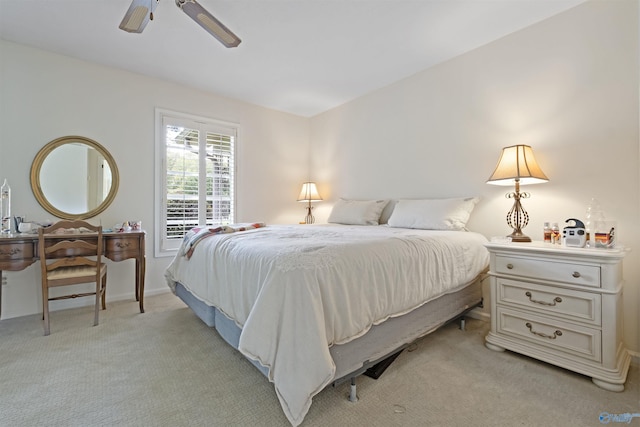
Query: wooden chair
column 70, row 254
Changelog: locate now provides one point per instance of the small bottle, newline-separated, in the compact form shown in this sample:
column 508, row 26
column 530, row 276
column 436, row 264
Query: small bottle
column 555, row 234
column 547, row 233
column 5, row 207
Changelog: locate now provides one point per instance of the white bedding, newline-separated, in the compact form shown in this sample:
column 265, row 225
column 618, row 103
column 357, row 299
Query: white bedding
column 296, row 290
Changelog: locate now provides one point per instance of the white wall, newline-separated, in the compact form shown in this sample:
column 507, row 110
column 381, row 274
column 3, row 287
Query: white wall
column 567, row 86
column 44, row 96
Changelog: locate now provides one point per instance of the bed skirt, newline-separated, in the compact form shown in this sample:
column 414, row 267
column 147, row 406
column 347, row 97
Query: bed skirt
column 381, row 341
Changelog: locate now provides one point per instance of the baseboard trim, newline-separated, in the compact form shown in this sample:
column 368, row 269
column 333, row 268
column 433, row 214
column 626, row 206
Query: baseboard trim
column 478, row 314
column 129, row 295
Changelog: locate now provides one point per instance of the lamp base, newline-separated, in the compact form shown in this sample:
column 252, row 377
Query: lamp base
column 519, row 237
column 517, row 217
column 309, row 219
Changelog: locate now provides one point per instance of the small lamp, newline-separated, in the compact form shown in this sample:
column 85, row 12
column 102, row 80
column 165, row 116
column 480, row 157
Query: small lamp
column 517, row 165
column 309, row 193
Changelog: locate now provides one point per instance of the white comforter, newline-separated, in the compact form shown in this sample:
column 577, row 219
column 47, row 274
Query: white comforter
column 296, row 290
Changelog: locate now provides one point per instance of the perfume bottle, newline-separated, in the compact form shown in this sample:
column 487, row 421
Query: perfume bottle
column 547, row 233
column 5, row 207
column 555, row 234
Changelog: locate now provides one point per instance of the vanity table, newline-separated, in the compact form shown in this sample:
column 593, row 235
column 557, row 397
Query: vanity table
column 18, row 251
column 66, row 196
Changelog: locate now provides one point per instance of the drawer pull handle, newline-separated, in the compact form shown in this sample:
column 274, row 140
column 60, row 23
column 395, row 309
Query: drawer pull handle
column 551, row 304
column 510, row 266
column 576, row 274
column 556, row 334
column 121, row 245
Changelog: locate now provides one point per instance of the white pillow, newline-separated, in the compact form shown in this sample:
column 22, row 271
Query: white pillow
column 433, row 214
column 357, row 212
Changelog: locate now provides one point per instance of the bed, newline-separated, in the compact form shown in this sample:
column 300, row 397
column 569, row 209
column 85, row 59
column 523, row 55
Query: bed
column 310, row 305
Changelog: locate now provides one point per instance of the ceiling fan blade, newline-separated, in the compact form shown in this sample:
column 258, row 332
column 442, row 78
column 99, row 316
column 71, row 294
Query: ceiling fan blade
column 137, row 17
column 207, row 21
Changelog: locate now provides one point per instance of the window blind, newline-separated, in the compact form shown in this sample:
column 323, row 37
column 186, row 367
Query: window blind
column 199, row 177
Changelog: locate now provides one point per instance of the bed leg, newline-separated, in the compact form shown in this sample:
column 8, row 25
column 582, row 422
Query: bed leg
column 462, row 323
column 353, row 397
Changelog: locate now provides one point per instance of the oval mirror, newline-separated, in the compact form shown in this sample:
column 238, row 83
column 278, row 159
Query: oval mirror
column 74, row 177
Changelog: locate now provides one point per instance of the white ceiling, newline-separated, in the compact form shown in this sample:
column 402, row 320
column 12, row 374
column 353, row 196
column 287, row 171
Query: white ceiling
column 298, row 56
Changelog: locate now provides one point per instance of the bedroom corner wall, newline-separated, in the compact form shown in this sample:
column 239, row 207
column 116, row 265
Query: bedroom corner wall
column 44, row 96
column 567, row 86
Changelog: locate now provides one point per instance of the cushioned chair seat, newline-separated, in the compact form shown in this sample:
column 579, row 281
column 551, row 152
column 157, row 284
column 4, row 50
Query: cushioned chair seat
column 73, row 272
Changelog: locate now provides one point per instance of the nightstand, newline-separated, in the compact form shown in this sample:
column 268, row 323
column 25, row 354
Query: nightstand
column 562, row 306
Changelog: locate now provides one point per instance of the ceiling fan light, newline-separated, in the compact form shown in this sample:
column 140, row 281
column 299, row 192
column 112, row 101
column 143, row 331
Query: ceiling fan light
column 207, row 21
column 133, row 23
column 137, row 17
column 218, row 30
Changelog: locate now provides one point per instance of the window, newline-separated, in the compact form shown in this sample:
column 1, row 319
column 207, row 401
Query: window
column 195, row 173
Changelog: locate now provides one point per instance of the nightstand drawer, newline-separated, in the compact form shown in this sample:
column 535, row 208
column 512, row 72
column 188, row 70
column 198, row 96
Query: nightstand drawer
column 558, row 302
column 573, row 273
column 557, row 336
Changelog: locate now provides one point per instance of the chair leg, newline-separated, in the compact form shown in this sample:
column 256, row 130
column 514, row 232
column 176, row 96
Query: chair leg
column 104, row 292
column 45, row 308
column 97, row 307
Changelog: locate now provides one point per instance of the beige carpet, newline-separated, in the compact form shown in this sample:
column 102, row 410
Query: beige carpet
column 166, row 368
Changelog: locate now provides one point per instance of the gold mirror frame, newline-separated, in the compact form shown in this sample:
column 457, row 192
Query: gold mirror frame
column 37, row 165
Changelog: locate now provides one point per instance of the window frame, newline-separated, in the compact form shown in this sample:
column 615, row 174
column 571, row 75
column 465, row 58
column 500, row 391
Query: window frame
column 163, row 246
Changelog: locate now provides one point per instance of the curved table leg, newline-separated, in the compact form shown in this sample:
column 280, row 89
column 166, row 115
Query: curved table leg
column 140, row 272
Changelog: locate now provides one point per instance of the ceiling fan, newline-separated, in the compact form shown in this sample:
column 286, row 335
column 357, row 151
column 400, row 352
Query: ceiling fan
column 141, row 12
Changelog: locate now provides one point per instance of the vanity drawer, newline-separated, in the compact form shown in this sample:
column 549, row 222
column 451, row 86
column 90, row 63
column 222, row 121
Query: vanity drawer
column 16, row 254
column 573, row 273
column 557, row 336
column 121, row 246
column 565, row 303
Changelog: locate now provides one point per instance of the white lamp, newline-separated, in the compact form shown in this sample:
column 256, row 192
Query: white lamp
column 309, row 193
column 517, row 165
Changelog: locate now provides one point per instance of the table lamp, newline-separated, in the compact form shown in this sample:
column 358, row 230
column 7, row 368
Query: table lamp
column 517, row 165
column 309, row 193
